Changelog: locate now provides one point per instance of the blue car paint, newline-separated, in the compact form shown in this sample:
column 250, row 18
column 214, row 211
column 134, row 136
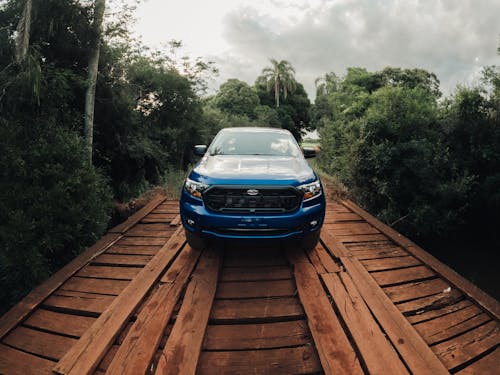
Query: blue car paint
column 250, row 171
column 194, row 209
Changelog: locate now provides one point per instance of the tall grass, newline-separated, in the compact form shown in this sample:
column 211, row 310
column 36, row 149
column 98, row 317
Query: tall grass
column 172, row 183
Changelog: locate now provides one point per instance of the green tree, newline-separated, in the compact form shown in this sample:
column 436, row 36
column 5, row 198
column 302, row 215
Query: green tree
column 411, row 78
column 52, row 202
column 237, row 97
column 280, row 76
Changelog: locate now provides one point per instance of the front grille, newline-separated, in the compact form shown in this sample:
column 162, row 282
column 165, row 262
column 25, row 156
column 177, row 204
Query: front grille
column 230, row 199
column 252, row 231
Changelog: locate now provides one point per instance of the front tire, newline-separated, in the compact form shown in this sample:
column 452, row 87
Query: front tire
column 310, row 241
column 196, row 242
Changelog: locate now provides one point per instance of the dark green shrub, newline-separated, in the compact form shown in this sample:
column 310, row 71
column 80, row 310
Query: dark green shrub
column 52, row 205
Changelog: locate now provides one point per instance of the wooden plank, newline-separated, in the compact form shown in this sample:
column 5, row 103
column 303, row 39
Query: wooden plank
column 343, row 229
column 335, row 206
column 299, row 360
column 401, row 293
column 180, row 355
column 165, row 218
column 325, row 259
column 169, row 211
column 79, row 302
column 404, row 275
column 16, row 362
column 360, row 238
column 134, row 250
column 441, row 329
column 469, row 345
column 378, row 253
column 254, row 260
column 171, row 203
column 138, row 232
column 331, row 243
column 89, row 350
column 256, row 309
column 487, row 365
column 21, row 310
column 136, row 217
column 153, row 227
column 389, row 263
column 436, row 301
column 338, row 217
column 255, row 273
column 431, row 314
column 108, row 358
column 108, row 272
column 141, row 241
column 99, row 286
column 141, row 342
column 176, row 221
column 313, row 256
column 335, row 352
column 469, row 289
column 296, row 254
column 255, row 289
column 410, row 345
column 378, row 354
column 110, row 259
column 385, row 244
column 66, row 324
column 40, row 343
column 256, row 336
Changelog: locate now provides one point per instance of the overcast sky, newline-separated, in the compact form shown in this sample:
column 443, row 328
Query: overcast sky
column 452, row 38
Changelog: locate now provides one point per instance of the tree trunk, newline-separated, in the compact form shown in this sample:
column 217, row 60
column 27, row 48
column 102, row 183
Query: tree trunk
column 92, row 75
column 23, row 32
column 277, row 91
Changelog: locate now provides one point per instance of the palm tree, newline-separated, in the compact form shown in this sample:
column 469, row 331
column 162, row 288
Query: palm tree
column 281, row 77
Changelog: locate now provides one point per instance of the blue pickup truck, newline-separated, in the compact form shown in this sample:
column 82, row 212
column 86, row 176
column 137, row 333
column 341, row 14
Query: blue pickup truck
column 252, row 184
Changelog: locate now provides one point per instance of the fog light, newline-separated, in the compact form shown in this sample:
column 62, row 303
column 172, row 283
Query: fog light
column 190, row 222
column 313, row 223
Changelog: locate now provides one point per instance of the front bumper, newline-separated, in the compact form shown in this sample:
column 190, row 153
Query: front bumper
column 204, row 223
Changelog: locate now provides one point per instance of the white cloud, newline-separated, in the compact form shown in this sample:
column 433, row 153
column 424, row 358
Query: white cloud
column 450, row 38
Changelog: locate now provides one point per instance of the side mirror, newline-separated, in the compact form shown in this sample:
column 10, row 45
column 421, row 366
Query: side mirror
column 199, row 150
column 309, row 153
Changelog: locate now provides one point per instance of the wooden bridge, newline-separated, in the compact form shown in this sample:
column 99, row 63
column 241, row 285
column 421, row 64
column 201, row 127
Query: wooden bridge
column 365, row 300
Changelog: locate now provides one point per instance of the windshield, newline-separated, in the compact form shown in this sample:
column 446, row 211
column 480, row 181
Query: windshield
column 254, row 143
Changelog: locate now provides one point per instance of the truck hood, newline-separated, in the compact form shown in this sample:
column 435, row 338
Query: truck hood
column 257, row 169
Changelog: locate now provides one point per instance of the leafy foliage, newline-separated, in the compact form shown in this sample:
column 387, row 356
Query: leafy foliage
column 146, row 118
column 237, row 97
column 430, row 167
column 52, row 204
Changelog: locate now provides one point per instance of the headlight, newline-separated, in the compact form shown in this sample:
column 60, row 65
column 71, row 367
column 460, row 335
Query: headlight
column 194, row 188
column 310, row 190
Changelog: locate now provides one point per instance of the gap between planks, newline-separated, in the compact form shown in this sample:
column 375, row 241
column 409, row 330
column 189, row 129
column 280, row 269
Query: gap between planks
column 22, row 309
column 417, row 355
column 182, row 351
column 86, row 354
column 465, row 286
column 336, row 354
column 141, row 342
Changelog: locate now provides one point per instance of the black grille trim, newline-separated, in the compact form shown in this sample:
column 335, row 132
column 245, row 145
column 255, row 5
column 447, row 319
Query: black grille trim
column 253, row 231
column 269, row 199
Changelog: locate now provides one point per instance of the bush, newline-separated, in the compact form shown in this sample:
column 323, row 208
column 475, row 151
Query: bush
column 52, row 205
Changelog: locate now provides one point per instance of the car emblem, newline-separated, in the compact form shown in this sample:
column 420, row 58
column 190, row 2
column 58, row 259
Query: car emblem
column 252, row 192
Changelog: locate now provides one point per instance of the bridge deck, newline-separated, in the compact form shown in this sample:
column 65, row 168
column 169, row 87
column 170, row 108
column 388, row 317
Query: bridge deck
column 365, row 300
